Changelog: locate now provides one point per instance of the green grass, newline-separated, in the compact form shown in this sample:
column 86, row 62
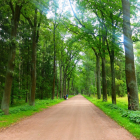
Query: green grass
column 130, row 120
column 17, row 113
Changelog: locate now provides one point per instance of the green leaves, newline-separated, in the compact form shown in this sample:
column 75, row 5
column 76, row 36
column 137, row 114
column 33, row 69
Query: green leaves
column 132, row 115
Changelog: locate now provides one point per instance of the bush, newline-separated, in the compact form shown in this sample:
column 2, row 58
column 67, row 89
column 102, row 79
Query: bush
column 131, row 115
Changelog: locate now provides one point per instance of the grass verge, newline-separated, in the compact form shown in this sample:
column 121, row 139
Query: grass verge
column 130, row 120
column 20, row 112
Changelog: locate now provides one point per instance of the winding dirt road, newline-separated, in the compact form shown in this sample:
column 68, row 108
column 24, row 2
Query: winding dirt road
column 73, row 119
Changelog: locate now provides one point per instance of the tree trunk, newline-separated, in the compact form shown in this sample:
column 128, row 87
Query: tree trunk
column 42, row 73
column 112, row 67
column 68, row 85
column 113, row 78
column 98, row 76
column 63, row 81
column 57, row 88
column 104, row 84
column 42, row 84
column 104, row 80
column 27, row 84
column 95, row 74
column 12, row 94
column 72, row 86
column 57, row 82
column 64, row 84
column 19, row 71
column 53, row 89
column 12, row 53
column 129, row 58
column 33, row 68
column 60, row 65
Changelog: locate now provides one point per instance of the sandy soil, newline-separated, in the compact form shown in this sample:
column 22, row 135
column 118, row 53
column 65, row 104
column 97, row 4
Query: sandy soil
column 73, row 119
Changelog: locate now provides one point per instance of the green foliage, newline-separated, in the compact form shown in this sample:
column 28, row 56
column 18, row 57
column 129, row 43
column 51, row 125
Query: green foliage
column 85, row 75
column 132, row 115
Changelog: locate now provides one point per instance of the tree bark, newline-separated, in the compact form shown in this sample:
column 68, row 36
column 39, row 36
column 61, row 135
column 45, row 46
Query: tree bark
column 129, row 58
column 27, row 84
column 42, row 81
column 98, row 76
column 57, row 82
column 33, row 68
column 72, row 86
column 60, row 65
column 104, row 80
column 113, row 78
column 112, row 69
column 19, row 71
column 65, row 83
column 111, row 53
column 12, row 53
column 53, row 89
column 68, row 85
column 95, row 74
column 57, row 88
column 104, row 84
column 12, row 94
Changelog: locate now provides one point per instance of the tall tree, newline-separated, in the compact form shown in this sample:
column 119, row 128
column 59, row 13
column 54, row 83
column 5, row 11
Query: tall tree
column 35, row 25
column 16, row 11
column 132, row 90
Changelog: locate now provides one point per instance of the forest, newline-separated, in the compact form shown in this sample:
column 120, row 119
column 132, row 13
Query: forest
column 50, row 48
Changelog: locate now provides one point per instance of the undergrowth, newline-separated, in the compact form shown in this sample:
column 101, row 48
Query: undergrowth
column 25, row 107
column 131, row 115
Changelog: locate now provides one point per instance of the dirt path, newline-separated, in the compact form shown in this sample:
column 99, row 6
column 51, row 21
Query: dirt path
column 73, row 119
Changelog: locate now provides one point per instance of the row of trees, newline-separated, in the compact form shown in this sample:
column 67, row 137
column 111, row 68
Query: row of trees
column 39, row 60
column 43, row 46
column 103, row 29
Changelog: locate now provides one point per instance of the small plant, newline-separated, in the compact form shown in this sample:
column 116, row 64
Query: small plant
column 134, row 116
